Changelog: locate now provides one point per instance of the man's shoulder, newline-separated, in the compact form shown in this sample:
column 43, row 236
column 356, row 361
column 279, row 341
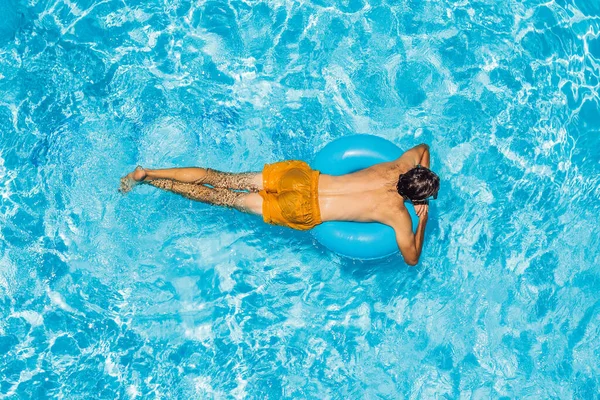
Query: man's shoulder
column 403, row 164
column 396, row 216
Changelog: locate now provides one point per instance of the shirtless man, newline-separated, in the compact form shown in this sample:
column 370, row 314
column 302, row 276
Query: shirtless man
column 291, row 194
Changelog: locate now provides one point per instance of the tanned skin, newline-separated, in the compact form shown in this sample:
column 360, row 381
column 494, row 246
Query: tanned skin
column 368, row 195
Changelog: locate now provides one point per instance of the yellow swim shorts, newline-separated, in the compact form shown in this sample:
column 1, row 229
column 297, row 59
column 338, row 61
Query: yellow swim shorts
column 290, row 195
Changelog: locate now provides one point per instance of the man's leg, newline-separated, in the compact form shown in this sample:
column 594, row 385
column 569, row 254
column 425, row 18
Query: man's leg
column 251, row 181
column 247, row 202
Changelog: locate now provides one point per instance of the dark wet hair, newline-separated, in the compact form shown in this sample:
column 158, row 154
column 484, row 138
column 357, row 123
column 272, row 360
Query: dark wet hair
column 418, row 184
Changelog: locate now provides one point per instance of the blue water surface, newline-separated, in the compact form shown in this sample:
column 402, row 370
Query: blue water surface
column 151, row 295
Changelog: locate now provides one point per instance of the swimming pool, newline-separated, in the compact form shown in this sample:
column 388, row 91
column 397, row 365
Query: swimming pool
column 153, row 296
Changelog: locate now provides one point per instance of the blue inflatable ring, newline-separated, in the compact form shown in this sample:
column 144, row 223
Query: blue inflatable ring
column 360, row 240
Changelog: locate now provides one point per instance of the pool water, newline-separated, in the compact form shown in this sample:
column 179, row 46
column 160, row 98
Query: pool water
column 150, row 295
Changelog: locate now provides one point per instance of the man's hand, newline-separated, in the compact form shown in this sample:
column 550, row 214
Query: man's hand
column 421, row 210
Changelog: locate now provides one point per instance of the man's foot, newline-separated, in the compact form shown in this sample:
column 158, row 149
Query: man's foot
column 132, row 179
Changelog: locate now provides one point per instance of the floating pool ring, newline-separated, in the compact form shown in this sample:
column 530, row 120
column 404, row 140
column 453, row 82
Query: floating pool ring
column 360, row 240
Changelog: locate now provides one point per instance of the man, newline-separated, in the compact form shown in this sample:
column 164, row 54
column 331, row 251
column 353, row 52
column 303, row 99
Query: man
column 290, row 193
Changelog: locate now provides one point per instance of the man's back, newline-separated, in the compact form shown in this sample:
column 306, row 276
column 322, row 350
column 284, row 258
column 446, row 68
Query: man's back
column 368, row 195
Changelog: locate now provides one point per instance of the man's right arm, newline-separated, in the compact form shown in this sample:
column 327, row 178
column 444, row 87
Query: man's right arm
column 409, row 243
column 420, row 233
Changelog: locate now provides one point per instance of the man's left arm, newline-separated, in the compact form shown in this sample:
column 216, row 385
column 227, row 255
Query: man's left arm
column 425, row 157
column 417, row 155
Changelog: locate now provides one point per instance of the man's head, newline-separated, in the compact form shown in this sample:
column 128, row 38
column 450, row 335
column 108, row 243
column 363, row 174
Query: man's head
column 418, row 184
